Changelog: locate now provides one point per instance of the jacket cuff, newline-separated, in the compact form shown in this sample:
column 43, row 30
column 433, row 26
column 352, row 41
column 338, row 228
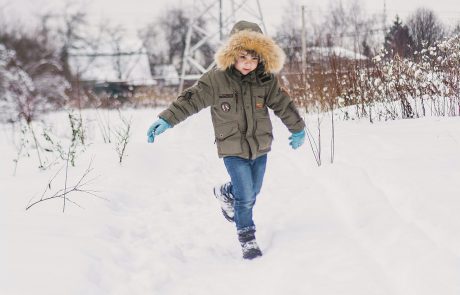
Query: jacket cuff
column 297, row 127
column 168, row 117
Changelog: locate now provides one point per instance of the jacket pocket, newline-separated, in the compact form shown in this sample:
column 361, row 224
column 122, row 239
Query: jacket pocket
column 228, row 138
column 264, row 134
column 259, row 99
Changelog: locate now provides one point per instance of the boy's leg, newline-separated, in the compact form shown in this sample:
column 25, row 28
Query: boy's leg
column 240, row 173
column 258, row 172
column 246, row 182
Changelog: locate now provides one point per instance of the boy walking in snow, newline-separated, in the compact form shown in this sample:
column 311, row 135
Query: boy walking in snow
column 239, row 90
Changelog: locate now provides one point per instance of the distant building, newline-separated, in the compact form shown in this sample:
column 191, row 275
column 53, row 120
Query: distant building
column 166, row 75
column 315, row 53
column 116, row 73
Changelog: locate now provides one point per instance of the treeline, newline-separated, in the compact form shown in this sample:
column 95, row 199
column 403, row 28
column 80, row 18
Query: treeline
column 348, row 24
column 358, row 66
column 35, row 74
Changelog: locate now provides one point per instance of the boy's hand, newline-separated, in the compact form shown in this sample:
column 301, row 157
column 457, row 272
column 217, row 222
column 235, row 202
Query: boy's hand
column 157, row 128
column 297, row 139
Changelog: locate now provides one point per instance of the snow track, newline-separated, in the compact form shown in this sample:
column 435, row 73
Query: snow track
column 383, row 219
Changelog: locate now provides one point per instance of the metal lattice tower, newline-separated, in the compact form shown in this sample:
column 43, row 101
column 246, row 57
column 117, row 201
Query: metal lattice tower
column 219, row 16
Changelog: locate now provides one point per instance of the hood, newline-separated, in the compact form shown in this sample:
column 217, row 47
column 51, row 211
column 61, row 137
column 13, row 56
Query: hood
column 248, row 36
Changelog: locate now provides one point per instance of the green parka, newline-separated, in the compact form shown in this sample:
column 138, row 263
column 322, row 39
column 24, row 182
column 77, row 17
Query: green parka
column 239, row 104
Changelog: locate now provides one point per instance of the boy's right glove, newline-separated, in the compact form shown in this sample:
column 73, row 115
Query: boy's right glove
column 157, row 128
column 297, row 139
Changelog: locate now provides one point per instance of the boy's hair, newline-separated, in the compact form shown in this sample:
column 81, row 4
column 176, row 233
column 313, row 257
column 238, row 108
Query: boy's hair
column 253, row 53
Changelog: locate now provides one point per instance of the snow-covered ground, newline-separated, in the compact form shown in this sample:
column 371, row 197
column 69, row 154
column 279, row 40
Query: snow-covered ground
column 383, row 219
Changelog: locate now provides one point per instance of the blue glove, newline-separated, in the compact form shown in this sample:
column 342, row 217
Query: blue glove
column 157, row 128
column 297, row 139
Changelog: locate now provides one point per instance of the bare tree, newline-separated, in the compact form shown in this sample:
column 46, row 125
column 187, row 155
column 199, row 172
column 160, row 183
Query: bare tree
column 455, row 30
column 337, row 22
column 71, row 33
column 165, row 38
column 289, row 34
column 425, row 28
column 72, row 29
column 345, row 24
column 351, row 27
column 115, row 35
column 154, row 42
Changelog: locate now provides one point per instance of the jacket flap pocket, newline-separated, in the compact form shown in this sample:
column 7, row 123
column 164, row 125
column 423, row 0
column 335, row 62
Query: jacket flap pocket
column 225, row 130
column 264, row 126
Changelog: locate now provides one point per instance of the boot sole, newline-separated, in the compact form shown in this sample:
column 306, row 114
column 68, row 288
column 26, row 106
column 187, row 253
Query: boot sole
column 251, row 254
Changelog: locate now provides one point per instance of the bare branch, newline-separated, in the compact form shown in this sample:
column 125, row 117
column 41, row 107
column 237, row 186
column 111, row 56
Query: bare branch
column 67, row 190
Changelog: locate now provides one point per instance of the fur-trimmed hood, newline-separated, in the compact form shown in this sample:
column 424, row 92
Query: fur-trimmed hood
column 248, row 36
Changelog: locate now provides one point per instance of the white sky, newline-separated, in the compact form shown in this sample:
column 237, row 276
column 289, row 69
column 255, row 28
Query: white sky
column 134, row 14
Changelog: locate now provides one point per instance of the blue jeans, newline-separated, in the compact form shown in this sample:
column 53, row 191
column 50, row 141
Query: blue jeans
column 246, row 177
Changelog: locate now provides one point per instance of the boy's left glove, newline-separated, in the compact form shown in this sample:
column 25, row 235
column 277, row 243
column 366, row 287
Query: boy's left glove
column 297, row 139
column 157, row 128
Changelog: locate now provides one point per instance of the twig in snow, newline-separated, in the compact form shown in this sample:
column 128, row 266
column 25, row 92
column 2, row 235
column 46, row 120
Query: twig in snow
column 80, row 186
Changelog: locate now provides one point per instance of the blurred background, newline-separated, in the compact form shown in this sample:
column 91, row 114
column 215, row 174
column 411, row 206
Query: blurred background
column 85, row 54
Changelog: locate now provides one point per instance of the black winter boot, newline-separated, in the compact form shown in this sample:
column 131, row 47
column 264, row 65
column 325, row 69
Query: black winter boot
column 226, row 199
column 248, row 243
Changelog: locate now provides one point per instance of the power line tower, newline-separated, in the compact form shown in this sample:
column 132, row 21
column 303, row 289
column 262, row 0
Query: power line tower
column 219, row 16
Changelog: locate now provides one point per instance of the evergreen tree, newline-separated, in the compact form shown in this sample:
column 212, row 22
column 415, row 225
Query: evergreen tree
column 398, row 40
column 366, row 49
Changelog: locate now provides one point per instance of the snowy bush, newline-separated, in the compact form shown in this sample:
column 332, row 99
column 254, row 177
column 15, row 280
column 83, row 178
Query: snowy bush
column 25, row 95
column 16, row 88
column 427, row 84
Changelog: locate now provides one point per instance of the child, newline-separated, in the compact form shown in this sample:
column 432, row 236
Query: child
column 239, row 90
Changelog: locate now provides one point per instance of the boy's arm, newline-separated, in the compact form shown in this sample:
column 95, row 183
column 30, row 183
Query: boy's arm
column 283, row 106
column 190, row 101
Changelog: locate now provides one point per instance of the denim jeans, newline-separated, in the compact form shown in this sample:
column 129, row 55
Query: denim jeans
column 246, row 178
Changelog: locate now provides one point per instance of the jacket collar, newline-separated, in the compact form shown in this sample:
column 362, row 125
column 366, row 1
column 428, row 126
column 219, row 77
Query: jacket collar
column 251, row 77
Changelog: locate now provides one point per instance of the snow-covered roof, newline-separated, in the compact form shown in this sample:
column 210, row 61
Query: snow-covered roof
column 131, row 66
column 336, row 51
column 166, row 72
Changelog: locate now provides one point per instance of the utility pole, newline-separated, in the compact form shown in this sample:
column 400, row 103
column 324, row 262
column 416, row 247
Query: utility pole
column 303, row 40
column 384, row 16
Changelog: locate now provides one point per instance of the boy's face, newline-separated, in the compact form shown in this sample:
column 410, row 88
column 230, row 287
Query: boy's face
column 246, row 63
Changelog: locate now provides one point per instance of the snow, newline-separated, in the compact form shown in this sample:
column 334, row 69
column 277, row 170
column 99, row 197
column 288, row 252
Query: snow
column 382, row 219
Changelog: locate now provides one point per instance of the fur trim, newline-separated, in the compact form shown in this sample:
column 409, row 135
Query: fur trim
column 272, row 55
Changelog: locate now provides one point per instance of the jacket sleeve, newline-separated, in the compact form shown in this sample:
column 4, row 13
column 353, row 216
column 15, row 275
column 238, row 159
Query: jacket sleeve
column 190, row 101
column 283, row 106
